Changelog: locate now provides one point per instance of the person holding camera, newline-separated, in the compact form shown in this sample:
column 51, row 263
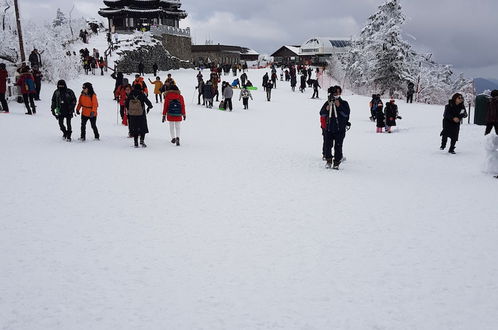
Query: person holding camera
column 334, row 120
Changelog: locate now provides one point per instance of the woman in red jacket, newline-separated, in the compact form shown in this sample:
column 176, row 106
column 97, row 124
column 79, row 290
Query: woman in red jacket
column 26, row 82
column 174, row 111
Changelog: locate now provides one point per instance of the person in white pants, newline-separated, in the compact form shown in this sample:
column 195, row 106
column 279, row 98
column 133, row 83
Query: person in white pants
column 174, row 112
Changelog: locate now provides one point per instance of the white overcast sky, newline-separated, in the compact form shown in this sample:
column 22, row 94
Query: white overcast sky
column 463, row 33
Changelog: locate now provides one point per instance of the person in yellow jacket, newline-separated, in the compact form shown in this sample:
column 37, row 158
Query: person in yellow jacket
column 88, row 105
column 158, row 84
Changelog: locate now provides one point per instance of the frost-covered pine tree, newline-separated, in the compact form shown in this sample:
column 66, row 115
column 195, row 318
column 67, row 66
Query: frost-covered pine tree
column 389, row 56
column 60, row 18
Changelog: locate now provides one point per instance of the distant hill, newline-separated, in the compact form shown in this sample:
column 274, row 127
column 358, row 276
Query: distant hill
column 482, row 84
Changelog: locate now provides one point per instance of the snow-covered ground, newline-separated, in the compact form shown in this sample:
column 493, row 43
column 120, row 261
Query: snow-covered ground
column 242, row 227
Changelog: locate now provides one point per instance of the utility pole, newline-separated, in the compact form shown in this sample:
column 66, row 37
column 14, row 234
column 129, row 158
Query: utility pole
column 19, row 32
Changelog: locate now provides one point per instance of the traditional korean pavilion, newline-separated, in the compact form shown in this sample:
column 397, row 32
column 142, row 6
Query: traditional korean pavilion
column 138, row 14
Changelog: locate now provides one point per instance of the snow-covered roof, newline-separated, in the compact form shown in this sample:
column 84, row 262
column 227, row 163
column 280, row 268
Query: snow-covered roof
column 324, row 45
column 293, row 49
column 248, row 51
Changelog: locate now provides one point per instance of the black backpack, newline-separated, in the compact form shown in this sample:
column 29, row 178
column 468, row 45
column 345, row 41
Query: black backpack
column 175, row 108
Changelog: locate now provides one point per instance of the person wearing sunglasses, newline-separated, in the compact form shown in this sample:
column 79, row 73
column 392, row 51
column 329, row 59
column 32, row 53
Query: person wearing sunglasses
column 454, row 112
column 88, row 103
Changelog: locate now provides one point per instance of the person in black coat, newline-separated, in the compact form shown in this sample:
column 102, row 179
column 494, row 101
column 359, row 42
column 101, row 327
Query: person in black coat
column 380, row 118
column 410, row 92
column 391, row 115
column 63, row 104
column 302, row 87
column 454, row 112
column 138, row 123
column 334, row 120
column 269, row 87
column 38, row 80
column 315, row 85
column 155, row 68
column 141, row 68
column 119, row 81
column 265, row 80
column 208, row 93
column 293, row 82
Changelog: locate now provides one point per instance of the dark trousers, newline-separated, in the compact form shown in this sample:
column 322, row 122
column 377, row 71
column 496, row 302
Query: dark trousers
column 121, row 111
column 142, row 138
column 93, row 122
column 155, row 73
column 245, row 102
column 409, row 98
column 3, row 101
column 102, row 71
column 38, row 89
column 444, row 140
column 489, row 127
column 333, row 140
column 268, row 94
column 315, row 93
column 160, row 97
column 65, row 130
column 228, row 103
column 199, row 99
column 29, row 100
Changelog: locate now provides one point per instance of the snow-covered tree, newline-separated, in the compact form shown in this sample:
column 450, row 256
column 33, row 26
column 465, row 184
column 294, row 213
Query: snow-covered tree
column 60, row 18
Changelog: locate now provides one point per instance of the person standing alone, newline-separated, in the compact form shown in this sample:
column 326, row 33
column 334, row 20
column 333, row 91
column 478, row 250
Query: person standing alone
column 63, row 103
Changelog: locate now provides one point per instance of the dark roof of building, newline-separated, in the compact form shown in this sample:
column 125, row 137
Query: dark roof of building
column 222, row 49
column 293, row 49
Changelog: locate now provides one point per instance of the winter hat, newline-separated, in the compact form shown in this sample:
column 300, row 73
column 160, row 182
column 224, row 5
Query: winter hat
column 494, row 93
column 173, row 88
column 2, row 66
column 61, row 84
column 125, row 81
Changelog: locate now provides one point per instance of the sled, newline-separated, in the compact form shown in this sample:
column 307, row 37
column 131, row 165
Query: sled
column 252, row 88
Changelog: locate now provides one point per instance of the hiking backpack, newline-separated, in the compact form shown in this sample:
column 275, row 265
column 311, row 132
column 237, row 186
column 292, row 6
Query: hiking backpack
column 175, row 108
column 135, row 107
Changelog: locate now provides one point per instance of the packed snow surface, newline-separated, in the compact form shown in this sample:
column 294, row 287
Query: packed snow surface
column 242, row 227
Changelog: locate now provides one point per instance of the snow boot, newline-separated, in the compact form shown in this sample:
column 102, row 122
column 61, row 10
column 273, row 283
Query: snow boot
column 142, row 143
column 173, row 140
column 177, row 141
column 329, row 163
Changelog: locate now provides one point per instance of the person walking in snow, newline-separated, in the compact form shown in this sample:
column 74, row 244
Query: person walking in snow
column 302, row 86
column 245, row 94
column 63, row 104
column 120, row 96
column 89, row 104
column 35, row 58
column 410, row 92
column 119, row 81
column 492, row 115
column 269, row 87
column 293, row 82
column 208, row 94
column 158, row 84
column 200, row 92
column 391, row 115
column 141, row 68
column 274, row 79
column 102, row 65
column 227, row 96
column 334, row 121
column 140, row 81
column 265, row 80
column 174, row 111
column 26, row 82
column 374, row 104
column 454, row 112
column 315, row 85
column 243, row 78
column 137, row 114
column 380, row 118
column 155, row 68
column 3, row 87
column 38, row 81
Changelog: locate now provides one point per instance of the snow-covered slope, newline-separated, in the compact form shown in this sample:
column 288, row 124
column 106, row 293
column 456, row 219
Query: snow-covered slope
column 242, row 227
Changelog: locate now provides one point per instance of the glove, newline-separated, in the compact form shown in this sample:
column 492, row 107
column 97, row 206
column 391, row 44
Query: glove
column 348, row 126
column 92, row 114
column 399, row 117
column 185, row 117
column 148, row 109
column 77, row 113
column 164, row 118
column 53, row 114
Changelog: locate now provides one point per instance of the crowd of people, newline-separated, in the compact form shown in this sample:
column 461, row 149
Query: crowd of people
column 134, row 104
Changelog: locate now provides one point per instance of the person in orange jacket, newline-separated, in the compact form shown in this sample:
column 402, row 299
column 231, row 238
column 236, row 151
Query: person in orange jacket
column 174, row 111
column 140, row 81
column 89, row 103
column 158, row 84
